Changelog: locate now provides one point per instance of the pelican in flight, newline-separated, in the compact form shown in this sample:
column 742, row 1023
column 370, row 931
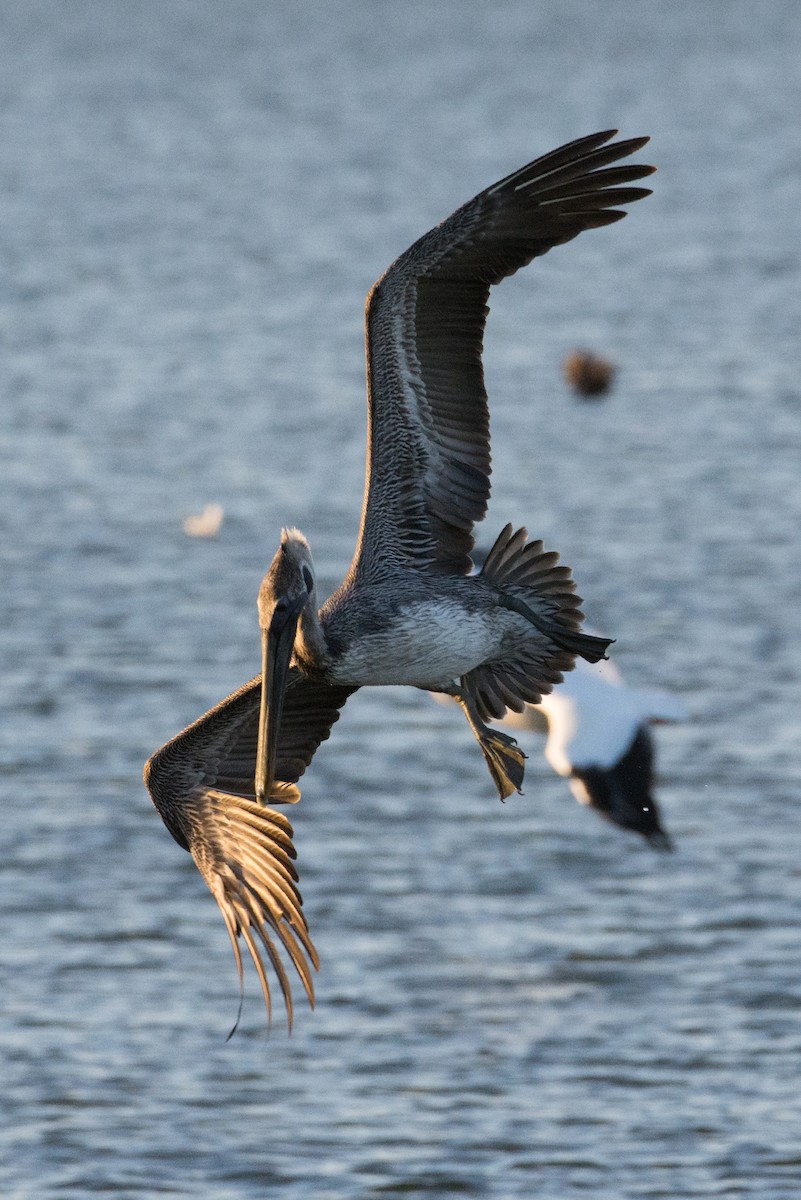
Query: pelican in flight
column 408, row 610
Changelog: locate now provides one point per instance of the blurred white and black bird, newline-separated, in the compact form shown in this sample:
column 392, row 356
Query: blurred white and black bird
column 599, row 739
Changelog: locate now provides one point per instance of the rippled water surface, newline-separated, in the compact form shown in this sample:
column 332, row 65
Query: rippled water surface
column 517, row 1000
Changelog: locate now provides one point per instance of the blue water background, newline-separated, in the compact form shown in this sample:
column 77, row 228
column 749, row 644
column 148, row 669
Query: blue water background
column 514, row 1001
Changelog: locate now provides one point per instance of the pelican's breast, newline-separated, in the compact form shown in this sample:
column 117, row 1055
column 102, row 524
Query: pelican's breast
column 427, row 644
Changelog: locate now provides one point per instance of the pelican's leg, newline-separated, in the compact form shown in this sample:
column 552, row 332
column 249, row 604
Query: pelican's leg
column 503, row 756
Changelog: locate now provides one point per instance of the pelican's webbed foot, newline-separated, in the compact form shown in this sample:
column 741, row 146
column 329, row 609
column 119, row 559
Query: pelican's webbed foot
column 503, row 756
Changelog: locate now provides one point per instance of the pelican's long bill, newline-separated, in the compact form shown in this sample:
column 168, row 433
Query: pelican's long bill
column 277, row 642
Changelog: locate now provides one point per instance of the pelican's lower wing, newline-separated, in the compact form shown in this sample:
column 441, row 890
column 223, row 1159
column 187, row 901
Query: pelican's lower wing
column 201, row 783
column 219, row 749
column 245, row 854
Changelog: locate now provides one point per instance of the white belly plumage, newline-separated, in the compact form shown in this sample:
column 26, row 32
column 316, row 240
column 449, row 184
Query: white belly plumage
column 430, row 645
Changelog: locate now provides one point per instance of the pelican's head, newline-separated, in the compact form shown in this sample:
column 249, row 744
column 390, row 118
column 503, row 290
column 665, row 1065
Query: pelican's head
column 286, row 590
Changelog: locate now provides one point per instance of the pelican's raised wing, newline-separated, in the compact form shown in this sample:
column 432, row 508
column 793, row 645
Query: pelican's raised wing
column 201, row 783
column 428, row 462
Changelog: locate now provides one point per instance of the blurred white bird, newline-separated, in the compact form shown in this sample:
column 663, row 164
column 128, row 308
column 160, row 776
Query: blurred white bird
column 599, row 739
column 206, row 523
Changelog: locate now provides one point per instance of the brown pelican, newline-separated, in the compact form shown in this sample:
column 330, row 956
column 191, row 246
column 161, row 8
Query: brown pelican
column 408, row 611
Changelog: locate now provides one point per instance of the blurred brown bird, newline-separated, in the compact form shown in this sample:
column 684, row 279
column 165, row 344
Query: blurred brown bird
column 588, row 373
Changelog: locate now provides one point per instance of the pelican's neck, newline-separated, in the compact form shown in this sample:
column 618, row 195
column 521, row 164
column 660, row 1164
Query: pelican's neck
column 311, row 648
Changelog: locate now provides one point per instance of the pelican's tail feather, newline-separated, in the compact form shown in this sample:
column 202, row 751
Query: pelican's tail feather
column 530, row 581
column 585, row 645
column 519, row 567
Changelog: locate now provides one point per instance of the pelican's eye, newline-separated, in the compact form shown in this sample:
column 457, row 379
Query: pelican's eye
column 280, row 615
